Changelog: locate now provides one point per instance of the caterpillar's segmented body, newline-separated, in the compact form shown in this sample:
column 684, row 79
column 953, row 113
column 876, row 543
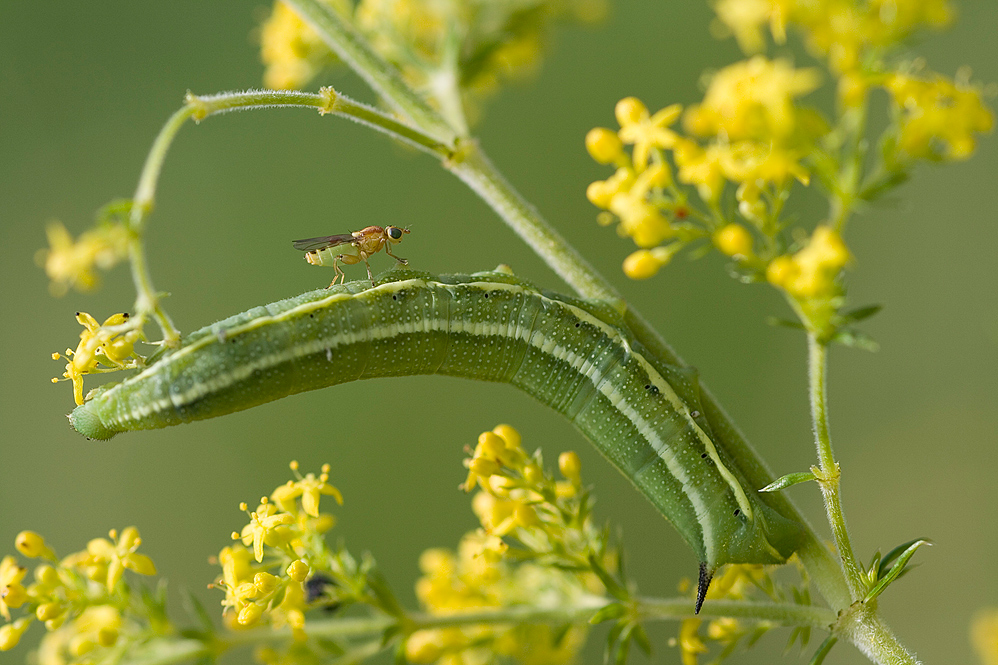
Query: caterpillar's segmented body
column 575, row 356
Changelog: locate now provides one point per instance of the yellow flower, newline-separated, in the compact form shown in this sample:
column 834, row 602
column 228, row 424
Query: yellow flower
column 645, row 131
column 939, row 116
column 601, row 192
column 811, row 272
column 984, row 635
column 753, row 162
column 12, row 594
column 120, row 554
column 700, row 167
column 309, row 488
column 645, row 263
column 100, row 344
column 96, row 626
column 745, row 19
column 639, row 218
column 69, row 263
column 32, row 545
column 10, row 634
column 267, row 526
column 690, row 643
column 752, row 99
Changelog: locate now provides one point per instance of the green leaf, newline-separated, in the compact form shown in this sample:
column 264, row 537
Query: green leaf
column 855, row 339
column 874, row 189
column 861, row 313
column 197, row 611
column 608, row 612
column 386, row 599
column 896, row 570
column 788, row 480
column 641, row 637
column 612, row 586
column 826, row 646
column 894, row 554
column 784, row 323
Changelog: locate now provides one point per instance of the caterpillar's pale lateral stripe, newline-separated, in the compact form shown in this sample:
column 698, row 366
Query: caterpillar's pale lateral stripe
column 575, row 356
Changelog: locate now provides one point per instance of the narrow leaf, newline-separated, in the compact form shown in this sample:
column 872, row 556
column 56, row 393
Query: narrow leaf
column 197, row 611
column 612, row 586
column 788, row 481
column 895, row 570
column 861, row 313
column 894, row 554
column 856, row 340
column 641, row 637
column 611, row 611
column 826, row 646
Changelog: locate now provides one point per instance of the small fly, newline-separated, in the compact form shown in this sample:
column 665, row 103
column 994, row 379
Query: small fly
column 351, row 248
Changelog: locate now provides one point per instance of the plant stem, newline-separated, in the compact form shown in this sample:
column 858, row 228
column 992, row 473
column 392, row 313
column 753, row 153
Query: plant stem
column 481, row 176
column 166, row 651
column 828, row 479
column 147, row 298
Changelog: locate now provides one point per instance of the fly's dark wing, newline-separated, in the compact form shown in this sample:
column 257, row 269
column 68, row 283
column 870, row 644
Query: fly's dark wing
column 322, row 242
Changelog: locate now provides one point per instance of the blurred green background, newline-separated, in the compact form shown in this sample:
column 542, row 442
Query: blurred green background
column 85, row 87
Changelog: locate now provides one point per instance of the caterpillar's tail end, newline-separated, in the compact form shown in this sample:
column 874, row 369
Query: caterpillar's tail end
column 705, row 577
column 89, row 424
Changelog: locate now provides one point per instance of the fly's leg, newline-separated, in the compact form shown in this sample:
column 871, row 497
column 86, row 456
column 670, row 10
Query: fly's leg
column 388, row 251
column 339, row 272
column 369, row 275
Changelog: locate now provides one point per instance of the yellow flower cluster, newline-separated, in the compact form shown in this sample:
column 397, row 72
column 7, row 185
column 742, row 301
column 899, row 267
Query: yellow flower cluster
column 736, row 582
column 70, row 263
column 81, row 599
column 938, row 116
column 845, row 31
column 748, row 131
column 103, row 347
column 550, row 519
column 443, row 49
column 811, row 273
column 264, row 577
column 291, row 50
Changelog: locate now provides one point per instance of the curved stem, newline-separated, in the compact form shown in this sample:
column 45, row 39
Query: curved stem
column 198, row 108
column 828, row 478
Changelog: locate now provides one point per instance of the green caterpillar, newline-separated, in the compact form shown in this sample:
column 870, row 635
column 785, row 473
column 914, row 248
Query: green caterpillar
column 576, row 356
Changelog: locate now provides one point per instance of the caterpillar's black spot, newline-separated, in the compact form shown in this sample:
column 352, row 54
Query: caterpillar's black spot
column 486, row 294
column 395, row 297
column 737, row 512
column 647, row 386
column 703, row 456
column 311, row 316
column 577, row 324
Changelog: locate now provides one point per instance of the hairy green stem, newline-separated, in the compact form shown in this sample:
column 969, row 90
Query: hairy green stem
column 829, row 471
